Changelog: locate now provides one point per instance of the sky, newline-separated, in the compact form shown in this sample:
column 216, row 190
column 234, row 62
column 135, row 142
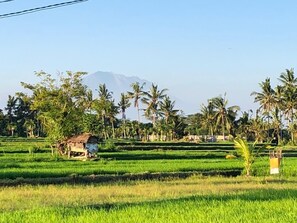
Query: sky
column 198, row 49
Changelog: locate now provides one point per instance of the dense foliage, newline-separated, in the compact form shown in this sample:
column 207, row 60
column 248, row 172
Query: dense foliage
column 61, row 108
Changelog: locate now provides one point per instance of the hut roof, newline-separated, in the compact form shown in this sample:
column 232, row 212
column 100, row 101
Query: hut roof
column 83, row 138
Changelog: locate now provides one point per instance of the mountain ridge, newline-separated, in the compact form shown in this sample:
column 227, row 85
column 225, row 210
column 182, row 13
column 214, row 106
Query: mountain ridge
column 120, row 83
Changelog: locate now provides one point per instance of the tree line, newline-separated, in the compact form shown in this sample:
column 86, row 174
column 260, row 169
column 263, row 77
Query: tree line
column 64, row 107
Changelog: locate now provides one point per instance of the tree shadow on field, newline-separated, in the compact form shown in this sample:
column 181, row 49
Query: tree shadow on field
column 127, row 156
column 253, row 195
column 30, row 178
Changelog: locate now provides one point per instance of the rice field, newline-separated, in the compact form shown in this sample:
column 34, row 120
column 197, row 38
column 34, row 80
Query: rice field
column 39, row 187
column 195, row 199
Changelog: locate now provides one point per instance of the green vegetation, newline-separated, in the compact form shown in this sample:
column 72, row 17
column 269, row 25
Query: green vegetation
column 32, row 159
column 196, row 199
column 156, row 184
column 246, row 151
column 57, row 109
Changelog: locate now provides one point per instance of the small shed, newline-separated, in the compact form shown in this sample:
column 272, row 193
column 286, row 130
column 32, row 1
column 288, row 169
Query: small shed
column 84, row 145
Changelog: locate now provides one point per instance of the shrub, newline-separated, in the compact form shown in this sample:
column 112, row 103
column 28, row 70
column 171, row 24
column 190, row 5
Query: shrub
column 109, row 145
column 246, row 151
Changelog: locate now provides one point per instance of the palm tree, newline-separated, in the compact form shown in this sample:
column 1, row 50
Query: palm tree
column 104, row 93
column 207, row 119
column 152, row 100
column 257, row 127
column 110, row 112
column 243, row 124
column 11, row 127
column 278, row 111
column 246, row 152
column 266, row 97
column 136, row 95
column 167, row 109
column 30, row 126
column 124, row 104
column 288, row 78
column 289, row 82
column 102, row 105
column 222, row 115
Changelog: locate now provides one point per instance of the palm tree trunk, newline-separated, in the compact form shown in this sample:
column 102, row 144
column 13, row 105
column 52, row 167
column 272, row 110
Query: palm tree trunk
column 138, row 115
column 223, row 129
column 113, row 132
column 292, row 125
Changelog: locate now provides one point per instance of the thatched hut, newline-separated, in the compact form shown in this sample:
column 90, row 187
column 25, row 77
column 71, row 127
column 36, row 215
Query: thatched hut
column 84, row 145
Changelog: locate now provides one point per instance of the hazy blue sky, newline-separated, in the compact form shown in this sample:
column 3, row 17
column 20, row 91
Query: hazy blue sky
column 197, row 49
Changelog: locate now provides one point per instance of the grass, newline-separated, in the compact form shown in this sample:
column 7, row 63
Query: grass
column 195, row 199
column 82, row 195
column 32, row 160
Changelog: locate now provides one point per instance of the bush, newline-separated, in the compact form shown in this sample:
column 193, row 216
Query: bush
column 108, row 145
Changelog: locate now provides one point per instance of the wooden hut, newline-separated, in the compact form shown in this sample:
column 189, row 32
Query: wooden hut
column 85, row 145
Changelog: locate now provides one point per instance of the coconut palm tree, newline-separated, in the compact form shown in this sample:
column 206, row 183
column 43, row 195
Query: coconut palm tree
column 243, row 124
column 277, row 114
column 223, row 115
column 111, row 110
column 257, row 127
column 266, row 97
column 30, row 126
column 136, row 95
column 102, row 105
column 169, row 113
column 207, row 118
column 124, row 104
column 152, row 100
column 11, row 128
column 289, row 82
column 267, row 100
column 288, row 78
column 246, row 152
column 167, row 109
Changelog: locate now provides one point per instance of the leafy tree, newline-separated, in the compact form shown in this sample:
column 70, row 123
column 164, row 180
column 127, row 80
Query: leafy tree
column 3, row 123
column 194, row 125
column 10, row 114
column 10, row 107
column 59, row 104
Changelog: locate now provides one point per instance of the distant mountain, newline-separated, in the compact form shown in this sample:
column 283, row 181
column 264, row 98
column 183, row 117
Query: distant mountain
column 118, row 83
